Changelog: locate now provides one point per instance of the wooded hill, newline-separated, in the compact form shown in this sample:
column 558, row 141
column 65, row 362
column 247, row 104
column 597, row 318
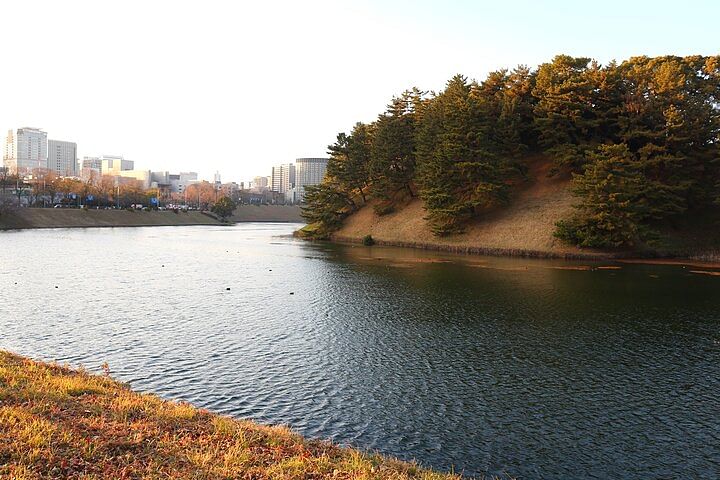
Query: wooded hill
column 641, row 140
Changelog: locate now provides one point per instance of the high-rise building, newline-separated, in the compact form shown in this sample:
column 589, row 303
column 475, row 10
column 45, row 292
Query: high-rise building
column 62, row 158
column 25, row 150
column 308, row 171
column 283, row 178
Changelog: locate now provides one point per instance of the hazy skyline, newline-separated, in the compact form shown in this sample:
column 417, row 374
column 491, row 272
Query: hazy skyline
column 237, row 88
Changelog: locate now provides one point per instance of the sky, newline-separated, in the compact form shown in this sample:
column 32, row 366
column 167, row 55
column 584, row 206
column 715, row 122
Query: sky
column 238, row 86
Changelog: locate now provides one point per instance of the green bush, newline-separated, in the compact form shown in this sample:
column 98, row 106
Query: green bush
column 368, row 241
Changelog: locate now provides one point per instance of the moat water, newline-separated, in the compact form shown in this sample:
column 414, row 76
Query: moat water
column 488, row 366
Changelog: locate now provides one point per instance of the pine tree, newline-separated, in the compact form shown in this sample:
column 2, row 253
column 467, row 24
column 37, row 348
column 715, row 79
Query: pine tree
column 350, row 160
column 461, row 167
column 613, row 201
column 392, row 165
column 325, row 207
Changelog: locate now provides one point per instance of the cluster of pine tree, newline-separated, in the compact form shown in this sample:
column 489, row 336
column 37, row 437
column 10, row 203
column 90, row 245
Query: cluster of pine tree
column 641, row 140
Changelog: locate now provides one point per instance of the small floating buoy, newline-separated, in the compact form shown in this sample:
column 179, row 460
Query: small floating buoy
column 56, row 286
column 162, row 265
column 228, row 288
column 292, row 293
column 270, row 270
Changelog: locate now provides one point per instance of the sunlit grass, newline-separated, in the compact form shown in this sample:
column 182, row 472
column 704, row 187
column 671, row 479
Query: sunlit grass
column 61, row 423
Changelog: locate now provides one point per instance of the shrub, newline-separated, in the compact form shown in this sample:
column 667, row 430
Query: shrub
column 368, row 241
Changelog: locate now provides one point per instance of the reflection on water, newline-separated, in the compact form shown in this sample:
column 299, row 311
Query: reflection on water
column 537, row 369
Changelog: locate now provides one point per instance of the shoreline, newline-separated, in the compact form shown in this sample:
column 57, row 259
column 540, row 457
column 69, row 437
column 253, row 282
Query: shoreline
column 58, row 422
column 620, row 257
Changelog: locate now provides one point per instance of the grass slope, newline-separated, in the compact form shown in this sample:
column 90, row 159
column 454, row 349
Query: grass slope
column 524, row 227
column 267, row 213
column 71, row 217
column 62, row 423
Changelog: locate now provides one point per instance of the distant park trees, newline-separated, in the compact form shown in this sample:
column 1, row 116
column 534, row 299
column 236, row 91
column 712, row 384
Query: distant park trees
column 223, row 207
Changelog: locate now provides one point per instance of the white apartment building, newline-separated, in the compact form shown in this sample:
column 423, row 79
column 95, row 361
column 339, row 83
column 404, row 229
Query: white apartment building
column 25, row 150
column 308, row 171
column 283, row 178
column 62, row 158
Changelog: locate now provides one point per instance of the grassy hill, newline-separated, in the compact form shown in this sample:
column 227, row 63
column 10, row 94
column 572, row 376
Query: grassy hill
column 524, row 227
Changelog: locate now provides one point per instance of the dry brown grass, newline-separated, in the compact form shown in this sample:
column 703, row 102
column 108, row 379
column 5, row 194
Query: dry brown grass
column 62, row 423
column 524, row 227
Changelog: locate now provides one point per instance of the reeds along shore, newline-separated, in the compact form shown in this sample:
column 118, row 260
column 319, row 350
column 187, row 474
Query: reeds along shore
column 58, row 423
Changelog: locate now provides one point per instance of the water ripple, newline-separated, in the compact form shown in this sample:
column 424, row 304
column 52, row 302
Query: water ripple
column 515, row 368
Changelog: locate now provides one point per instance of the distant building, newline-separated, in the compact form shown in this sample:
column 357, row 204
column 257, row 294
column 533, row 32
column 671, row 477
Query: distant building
column 113, row 164
column 231, row 189
column 62, row 158
column 25, row 150
column 161, row 181
column 142, row 176
column 283, row 178
column 90, row 168
column 216, row 179
column 183, row 181
column 308, row 171
column 260, row 184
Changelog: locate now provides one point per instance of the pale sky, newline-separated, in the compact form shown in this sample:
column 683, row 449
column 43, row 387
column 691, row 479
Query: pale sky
column 239, row 86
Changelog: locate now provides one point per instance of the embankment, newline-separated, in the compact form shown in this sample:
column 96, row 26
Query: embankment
column 267, row 213
column 60, row 423
column 524, row 227
column 72, row 217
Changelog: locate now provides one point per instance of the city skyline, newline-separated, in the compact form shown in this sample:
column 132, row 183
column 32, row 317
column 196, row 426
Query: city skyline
column 239, row 88
column 55, row 156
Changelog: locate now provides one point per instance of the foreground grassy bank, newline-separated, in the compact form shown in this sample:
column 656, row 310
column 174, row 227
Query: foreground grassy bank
column 61, row 423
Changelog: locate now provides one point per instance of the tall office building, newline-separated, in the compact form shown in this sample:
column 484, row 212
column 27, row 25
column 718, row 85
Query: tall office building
column 25, row 150
column 62, row 158
column 308, row 171
column 283, row 178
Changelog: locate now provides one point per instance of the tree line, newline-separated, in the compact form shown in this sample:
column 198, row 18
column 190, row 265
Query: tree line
column 45, row 189
column 641, row 140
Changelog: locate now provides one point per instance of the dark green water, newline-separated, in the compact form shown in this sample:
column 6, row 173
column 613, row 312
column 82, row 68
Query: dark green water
column 485, row 365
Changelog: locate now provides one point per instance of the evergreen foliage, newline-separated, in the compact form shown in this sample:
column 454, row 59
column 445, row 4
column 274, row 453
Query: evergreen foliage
column 641, row 139
column 224, row 207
